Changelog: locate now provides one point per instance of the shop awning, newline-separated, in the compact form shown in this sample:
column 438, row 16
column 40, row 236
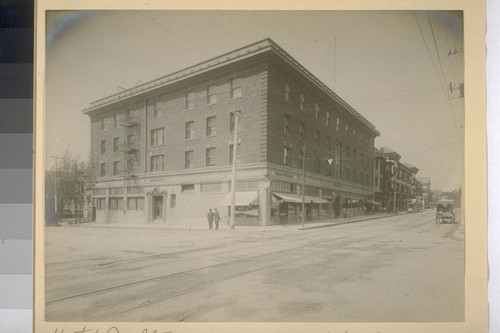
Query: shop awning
column 373, row 202
column 288, row 197
column 243, row 198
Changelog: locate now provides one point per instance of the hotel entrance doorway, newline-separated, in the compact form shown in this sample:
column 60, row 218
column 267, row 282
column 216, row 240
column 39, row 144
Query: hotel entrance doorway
column 158, row 207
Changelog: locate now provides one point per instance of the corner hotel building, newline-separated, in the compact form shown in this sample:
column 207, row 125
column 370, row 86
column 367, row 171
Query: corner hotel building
column 163, row 149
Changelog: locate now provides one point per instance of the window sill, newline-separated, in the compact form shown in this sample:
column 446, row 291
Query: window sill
column 235, row 98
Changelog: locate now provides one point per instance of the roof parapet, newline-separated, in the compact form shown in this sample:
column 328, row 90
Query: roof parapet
column 224, row 59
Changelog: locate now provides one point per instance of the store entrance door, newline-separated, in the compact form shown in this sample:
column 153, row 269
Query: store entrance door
column 158, row 207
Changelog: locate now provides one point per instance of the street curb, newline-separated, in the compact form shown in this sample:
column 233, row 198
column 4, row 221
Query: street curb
column 181, row 228
column 348, row 222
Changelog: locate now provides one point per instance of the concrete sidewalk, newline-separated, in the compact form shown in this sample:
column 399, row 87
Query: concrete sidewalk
column 224, row 225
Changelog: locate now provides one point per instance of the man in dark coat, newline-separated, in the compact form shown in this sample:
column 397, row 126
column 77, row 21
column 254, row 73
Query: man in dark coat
column 210, row 218
column 216, row 218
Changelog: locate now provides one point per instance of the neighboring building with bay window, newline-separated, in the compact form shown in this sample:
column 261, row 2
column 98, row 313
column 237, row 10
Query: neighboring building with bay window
column 395, row 182
column 164, row 148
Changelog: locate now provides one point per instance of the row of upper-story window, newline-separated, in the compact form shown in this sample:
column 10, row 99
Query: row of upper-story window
column 399, row 173
column 157, row 135
column 325, row 115
column 349, row 154
column 190, row 101
column 331, row 167
column 302, row 133
column 157, row 162
column 404, row 187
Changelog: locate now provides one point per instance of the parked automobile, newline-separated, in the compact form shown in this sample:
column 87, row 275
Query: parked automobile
column 410, row 208
column 445, row 212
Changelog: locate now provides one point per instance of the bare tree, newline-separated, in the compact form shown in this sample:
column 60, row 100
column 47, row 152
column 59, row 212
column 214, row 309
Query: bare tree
column 70, row 183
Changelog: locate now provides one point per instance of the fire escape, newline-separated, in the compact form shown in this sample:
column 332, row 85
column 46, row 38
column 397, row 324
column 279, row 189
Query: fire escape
column 130, row 147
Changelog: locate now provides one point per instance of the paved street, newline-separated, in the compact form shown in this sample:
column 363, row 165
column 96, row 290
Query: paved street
column 397, row 268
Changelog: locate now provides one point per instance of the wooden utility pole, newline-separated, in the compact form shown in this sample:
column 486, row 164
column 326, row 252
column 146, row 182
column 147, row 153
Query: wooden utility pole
column 233, row 177
column 304, row 184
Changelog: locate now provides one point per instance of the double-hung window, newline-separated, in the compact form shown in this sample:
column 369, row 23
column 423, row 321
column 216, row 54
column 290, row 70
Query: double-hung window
column 157, row 136
column 103, row 124
column 231, row 152
column 116, row 166
column 317, row 137
column 287, row 125
column 211, row 128
column 189, row 102
column 157, row 163
column 236, row 87
column 211, row 94
column 103, row 147
column 287, row 152
column 232, row 121
column 211, row 158
column 157, row 112
column 188, row 159
column 302, row 131
column 189, row 130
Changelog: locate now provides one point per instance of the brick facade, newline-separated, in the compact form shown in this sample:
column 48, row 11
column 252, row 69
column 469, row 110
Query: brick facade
column 175, row 133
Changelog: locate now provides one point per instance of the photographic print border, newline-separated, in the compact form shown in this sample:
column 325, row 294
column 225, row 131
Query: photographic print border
column 475, row 169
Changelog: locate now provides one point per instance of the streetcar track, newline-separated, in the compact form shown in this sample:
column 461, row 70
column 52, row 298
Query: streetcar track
column 177, row 273
column 233, row 276
column 219, row 264
column 171, row 254
column 284, row 237
column 107, row 263
column 239, row 274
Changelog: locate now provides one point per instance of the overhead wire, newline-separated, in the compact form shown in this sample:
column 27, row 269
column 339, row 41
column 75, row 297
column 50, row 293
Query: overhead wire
column 437, row 50
column 442, row 72
column 443, row 87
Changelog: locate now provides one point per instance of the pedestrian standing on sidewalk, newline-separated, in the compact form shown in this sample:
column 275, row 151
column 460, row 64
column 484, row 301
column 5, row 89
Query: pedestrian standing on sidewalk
column 210, row 218
column 216, row 218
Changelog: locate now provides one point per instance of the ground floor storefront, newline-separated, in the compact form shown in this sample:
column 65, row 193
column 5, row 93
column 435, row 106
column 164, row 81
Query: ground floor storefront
column 265, row 195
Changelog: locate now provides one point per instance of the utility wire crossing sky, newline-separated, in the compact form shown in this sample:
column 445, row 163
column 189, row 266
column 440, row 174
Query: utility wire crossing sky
column 402, row 70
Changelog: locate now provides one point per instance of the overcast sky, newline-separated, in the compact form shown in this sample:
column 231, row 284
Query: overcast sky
column 393, row 67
